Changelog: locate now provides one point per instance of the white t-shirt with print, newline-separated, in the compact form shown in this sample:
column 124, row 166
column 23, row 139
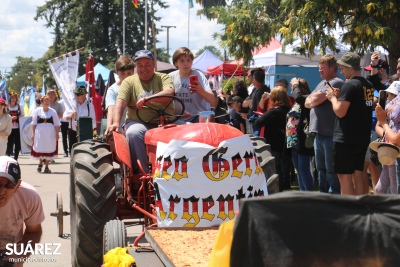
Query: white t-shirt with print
column 194, row 103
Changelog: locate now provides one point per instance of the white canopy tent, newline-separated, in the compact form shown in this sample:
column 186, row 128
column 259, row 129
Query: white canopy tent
column 290, row 57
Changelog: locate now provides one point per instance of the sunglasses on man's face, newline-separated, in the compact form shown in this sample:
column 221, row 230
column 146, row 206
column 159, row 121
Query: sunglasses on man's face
column 398, row 68
column 8, row 185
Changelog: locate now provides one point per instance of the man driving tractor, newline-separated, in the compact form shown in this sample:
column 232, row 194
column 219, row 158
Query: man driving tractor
column 133, row 94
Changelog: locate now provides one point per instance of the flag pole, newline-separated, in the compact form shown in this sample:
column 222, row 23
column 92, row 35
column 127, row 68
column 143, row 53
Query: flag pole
column 123, row 27
column 145, row 25
column 72, row 52
column 188, row 21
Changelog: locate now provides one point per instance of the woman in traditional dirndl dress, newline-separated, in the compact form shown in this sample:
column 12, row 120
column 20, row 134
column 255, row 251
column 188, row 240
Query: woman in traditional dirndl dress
column 45, row 134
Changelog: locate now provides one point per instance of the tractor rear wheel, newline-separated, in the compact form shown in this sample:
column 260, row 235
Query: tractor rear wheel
column 267, row 163
column 93, row 201
column 114, row 235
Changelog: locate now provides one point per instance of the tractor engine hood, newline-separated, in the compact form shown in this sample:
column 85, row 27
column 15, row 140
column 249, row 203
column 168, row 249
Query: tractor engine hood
column 208, row 133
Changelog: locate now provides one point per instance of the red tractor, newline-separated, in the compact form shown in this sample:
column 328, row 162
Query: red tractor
column 102, row 194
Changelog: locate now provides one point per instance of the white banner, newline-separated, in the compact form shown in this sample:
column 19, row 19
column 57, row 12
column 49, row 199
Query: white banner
column 200, row 185
column 32, row 100
column 25, row 130
column 65, row 72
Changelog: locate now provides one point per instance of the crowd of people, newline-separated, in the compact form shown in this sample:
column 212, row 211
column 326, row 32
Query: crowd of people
column 337, row 114
column 334, row 124
column 48, row 117
column 328, row 128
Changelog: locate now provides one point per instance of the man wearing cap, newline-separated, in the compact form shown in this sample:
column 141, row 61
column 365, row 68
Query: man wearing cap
column 133, row 93
column 83, row 108
column 352, row 105
column 379, row 78
column 379, row 69
column 21, row 210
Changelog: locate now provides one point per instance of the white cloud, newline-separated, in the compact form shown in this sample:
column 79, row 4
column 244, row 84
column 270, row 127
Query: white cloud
column 21, row 35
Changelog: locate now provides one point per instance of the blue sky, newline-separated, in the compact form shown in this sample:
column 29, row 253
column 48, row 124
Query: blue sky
column 22, row 36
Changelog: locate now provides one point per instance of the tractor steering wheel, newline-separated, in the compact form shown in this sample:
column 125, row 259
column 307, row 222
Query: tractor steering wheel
column 160, row 112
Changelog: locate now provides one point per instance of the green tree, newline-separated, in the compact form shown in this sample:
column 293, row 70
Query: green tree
column 21, row 74
column 248, row 24
column 97, row 25
column 162, row 55
column 213, row 49
column 366, row 24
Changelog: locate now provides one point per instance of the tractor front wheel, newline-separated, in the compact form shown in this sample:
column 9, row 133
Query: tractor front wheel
column 114, row 235
column 93, row 201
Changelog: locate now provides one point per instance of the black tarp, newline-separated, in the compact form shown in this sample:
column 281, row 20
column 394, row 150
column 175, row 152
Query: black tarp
column 316, row 229
column 100, row 85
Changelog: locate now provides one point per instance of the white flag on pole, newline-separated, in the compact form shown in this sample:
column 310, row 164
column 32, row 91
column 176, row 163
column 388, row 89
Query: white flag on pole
column 65, row 72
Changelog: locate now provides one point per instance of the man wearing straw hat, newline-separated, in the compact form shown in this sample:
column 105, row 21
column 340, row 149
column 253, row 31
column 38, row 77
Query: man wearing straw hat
column 352, row 105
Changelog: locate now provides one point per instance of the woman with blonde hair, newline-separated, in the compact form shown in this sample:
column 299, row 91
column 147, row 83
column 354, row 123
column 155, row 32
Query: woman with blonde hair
column 5, row 127
column 274, row 123
column 45, row 133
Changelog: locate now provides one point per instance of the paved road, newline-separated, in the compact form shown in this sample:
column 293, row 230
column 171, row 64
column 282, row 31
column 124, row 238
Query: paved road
column 48, row 185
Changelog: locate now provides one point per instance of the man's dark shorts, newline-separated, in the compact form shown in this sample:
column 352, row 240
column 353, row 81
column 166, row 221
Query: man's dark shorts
column 348, row 158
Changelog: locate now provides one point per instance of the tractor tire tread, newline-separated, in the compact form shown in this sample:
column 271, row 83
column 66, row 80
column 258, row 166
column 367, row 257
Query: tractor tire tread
column 93, row 201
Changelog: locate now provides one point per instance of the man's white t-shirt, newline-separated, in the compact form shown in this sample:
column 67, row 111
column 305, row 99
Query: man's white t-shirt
column 24, row 208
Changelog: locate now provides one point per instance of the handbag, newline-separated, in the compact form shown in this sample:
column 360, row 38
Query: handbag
column 309, row 142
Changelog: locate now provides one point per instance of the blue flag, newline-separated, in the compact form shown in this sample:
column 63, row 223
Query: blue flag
column 4, row 90
column 191, row 4
column 22, row 98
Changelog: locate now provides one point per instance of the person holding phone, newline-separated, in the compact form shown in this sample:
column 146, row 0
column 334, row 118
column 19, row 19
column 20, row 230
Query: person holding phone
column 352, row 130
column 387, row 178
column 191, row 86
column 379, row 70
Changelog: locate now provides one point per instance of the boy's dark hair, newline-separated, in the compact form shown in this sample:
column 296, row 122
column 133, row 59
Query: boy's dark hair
column 259, row 76
column 236, row 99
column 124, row 63
column 284, row 81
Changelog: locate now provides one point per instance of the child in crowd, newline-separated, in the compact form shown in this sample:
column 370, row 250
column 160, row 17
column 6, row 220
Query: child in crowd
column 237, row 121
